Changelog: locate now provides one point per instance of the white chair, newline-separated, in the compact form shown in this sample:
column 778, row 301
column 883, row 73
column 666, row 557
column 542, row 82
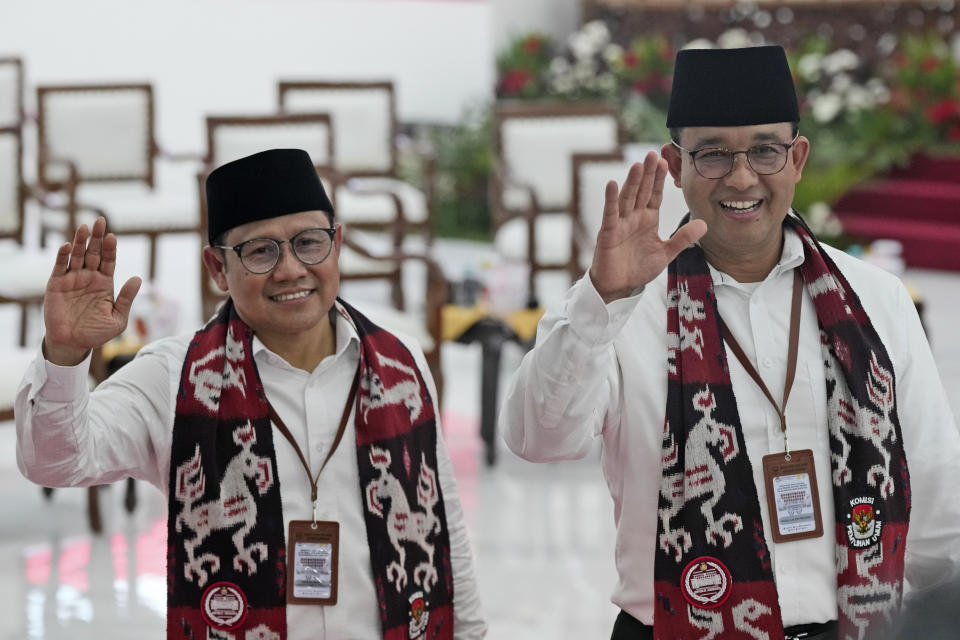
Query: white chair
column 368, row 194
column 104, row 133
column 11, row 92
column 591, row 172
column 532, row 187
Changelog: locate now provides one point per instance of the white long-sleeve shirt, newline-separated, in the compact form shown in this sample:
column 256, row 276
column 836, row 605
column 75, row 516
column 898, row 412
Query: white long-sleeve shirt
column 600, row 371
column 67, row 436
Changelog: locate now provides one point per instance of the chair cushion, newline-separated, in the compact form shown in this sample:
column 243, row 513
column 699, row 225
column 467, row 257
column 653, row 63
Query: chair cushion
column 32, row 267
column 9, row 182
column 553, row 238
column 363, row 200
column 133, row 206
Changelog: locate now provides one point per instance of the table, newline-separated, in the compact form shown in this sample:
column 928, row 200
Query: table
column 492, row 330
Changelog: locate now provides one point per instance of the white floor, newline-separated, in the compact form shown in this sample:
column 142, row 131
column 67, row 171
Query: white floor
column 543, row 534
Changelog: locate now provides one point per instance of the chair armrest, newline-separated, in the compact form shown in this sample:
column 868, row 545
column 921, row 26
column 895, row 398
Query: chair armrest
column 499, row 184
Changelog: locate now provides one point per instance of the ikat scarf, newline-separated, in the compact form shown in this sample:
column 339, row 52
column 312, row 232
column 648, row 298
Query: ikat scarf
column 226, row 565
column 712, row 574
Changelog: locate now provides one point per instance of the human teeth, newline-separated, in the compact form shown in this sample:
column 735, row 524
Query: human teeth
column 291, row 296
column 741, row 204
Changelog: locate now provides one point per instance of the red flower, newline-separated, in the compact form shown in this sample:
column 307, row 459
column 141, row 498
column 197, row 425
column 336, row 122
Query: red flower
column 943, row 111
column 532, row 45
column 643, row 86
column 630, row 59
column 954, row 133
column 515, row 81
column 930, row 63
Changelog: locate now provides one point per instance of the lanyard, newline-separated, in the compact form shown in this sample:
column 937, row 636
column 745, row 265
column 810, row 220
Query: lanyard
column 791, row 358
column 336, row 441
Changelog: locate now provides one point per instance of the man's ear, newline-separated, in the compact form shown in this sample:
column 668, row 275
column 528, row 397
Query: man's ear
column 674, row 161
column 798, row 158
column 214, row 261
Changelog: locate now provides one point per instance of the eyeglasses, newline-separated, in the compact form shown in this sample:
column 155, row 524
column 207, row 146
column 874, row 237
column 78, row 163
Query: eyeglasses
column 717, row 162
column 261, row 255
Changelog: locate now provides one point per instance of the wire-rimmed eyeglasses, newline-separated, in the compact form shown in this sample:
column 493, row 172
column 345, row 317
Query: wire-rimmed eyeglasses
column 261, row 255
column 765, row 158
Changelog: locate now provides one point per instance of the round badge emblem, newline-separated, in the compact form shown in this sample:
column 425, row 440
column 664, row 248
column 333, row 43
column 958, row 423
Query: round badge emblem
column 864, row 524
column 224, row 606
column 706, row 582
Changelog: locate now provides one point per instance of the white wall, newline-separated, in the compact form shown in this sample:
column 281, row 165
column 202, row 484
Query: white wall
column 511, row 18
column 225, row 56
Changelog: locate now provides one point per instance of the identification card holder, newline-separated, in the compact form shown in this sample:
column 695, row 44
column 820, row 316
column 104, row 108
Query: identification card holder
column 793, row 501
column 313, row 550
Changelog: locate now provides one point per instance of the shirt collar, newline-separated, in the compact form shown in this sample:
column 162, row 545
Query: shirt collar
column 791, row 257
column 346, row 337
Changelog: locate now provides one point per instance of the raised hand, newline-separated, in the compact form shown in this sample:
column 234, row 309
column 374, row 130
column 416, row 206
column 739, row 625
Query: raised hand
column 629, row 251
column 79, row 310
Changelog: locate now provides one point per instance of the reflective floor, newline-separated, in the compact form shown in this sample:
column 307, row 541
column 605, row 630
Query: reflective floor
column 542, row 534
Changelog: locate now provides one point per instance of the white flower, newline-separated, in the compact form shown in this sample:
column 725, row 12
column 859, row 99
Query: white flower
column 606, row 82
column 735, row 38
column 809, row 66
column 879, row 91
column 584, row 70
column 613, row 53
column 581, row 45
column 840, row 60
column 559, row 66
column 699, row 43
column 859, row 98
column 826, row 107
column 841, row 82
column 597, row 32
column 563, row 84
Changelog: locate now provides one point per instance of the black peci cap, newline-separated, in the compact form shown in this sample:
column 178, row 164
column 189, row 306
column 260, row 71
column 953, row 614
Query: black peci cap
column 731, row 88
column 265, row 185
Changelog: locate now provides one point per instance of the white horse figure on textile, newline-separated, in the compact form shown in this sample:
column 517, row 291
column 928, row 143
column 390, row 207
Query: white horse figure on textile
column 705, row 479
column 405, row 392
column 236, row 507
column 853, row 415
column 403, row 524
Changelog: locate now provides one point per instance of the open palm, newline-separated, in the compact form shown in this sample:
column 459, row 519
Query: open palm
column 629, row 251
column 79, row 309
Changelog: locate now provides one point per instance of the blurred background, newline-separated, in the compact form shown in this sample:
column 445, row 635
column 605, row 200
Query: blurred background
column 465, row 144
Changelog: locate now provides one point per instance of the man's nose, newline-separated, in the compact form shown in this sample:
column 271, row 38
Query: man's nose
column 741, row 174
column 288, row 265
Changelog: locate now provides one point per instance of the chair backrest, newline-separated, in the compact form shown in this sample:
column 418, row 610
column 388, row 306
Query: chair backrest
column 534, row 144
column 105, row 130
column 233, row 137
column 363, row 116
column 11, row 187
column 11, row 92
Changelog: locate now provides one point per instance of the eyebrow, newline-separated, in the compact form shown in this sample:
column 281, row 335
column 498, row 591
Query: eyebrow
column 717, row 141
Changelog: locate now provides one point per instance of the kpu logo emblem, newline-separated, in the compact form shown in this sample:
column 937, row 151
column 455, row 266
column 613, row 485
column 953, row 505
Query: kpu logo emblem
column 863, row 522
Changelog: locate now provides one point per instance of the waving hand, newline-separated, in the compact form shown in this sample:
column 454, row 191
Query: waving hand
column 79, row 310
column 629, row 251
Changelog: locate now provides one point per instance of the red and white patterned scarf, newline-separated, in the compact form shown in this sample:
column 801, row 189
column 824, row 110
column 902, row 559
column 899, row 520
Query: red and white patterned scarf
column 709, row 512
column 226, row 540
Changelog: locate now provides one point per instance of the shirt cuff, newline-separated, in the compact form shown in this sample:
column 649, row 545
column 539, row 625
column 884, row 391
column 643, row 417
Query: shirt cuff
column 63, row 384
column 593, row 320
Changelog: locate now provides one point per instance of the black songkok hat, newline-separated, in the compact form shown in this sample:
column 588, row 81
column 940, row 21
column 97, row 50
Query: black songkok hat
column 265, row 185
column 732, row 88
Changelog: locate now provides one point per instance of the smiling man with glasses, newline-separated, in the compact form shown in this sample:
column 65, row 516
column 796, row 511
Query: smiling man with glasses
column 310, row 493
column 775, row 435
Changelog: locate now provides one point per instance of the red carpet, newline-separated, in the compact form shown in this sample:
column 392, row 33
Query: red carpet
column 919, row 205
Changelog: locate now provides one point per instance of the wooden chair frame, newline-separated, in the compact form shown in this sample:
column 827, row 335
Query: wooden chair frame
column 502, row 178
column 401, row 224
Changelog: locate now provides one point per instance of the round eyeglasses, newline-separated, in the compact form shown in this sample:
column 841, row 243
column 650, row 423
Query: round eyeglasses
column 261, row 255
column 765, row 158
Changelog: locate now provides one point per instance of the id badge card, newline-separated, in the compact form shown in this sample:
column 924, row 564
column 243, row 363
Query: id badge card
column 313, row 549
column 793, row 502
